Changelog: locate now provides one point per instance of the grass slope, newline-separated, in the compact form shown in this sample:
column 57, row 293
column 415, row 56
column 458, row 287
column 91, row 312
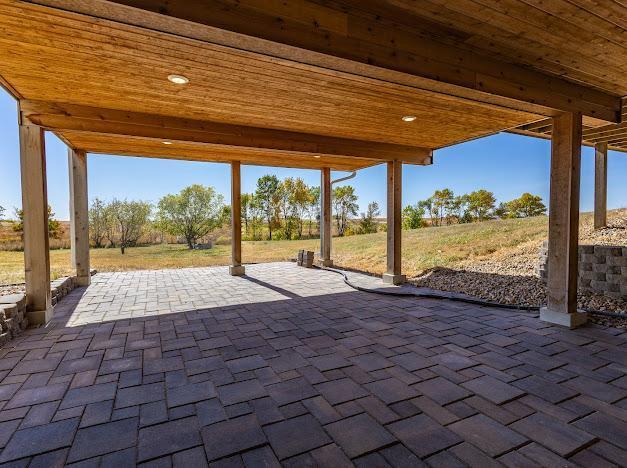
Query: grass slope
column 446, row 246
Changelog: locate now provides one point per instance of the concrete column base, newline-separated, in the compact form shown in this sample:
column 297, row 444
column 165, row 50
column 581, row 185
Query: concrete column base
column 325, row 263
column 83, row 280
column 565, row 320
column 389, row 278
column 237, row 270
column 39, row 317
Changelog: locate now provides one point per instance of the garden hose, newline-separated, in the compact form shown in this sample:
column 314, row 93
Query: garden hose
column 465, row 300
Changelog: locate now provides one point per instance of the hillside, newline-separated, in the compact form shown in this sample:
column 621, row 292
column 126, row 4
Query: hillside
column 509, row 246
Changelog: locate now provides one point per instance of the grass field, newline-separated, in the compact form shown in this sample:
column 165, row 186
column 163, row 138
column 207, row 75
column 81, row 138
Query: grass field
column 445, row 246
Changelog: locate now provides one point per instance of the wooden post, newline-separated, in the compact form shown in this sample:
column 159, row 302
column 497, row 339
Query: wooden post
column 325, row 218
column 600, row 185
column 35, row 208
column 564, row 223
column 236, row 268
column 79, row 215
column 394, row 178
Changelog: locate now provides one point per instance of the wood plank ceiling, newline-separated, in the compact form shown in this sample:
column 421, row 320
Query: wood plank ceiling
column 58, row 56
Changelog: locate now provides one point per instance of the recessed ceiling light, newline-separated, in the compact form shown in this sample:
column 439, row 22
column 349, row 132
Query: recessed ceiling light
column 408, row 118
column 178, row 79
column 166, row 142
column 316, row 156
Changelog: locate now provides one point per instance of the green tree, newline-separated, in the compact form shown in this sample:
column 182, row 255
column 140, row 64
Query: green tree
column 314, row 207
column 413, row 216
column 98, row 220
column 2, row 210
column 129, row 218
column 525, row 206
column 266, row 195
column 299, row 200
column 54, row 226
column 192, row 213
column 481, row 204
column 441, row 204
column 247, row 200
column 345, row 205
column 368, row 222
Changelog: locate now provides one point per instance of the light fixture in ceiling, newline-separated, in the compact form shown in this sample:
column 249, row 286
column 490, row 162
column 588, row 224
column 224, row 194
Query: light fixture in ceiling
column 408, row 118
column 316, row 156
column 166, row 142
column 178, row 79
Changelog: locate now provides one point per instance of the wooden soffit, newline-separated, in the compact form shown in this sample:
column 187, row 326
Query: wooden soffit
column 539, row 57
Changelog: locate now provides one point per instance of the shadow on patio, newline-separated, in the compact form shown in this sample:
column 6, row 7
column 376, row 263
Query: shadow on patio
column 290, row 366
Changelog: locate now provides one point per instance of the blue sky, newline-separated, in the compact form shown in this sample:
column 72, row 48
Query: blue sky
column 507, row 165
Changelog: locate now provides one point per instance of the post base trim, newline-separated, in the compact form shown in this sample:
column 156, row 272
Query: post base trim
column 237, row 270
column 39, row 317
column 571, row 321
column 389, row 278
column 83, row 280
column 326, row 263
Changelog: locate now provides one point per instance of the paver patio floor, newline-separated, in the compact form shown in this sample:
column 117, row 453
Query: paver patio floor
column 289, row 366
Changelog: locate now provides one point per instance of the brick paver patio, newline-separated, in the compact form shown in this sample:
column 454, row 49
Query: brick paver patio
column 290, row 366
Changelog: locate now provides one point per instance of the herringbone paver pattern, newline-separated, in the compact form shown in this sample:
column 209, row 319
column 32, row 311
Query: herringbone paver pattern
column 289, row 366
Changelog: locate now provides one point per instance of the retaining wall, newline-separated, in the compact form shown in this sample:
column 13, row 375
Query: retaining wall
column 602, row 269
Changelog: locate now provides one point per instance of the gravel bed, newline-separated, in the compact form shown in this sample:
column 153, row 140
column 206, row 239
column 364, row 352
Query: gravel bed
column 510, row 277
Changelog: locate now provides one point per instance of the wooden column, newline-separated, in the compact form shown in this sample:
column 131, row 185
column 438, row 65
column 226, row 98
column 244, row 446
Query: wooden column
column 35, row 207
column 394, row 178
column 564, row 223
column 79, row 215
column 325, row 218
column 236, row 268
column 600, row 185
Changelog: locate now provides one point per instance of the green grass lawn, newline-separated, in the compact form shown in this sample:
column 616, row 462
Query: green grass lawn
column 444, row 246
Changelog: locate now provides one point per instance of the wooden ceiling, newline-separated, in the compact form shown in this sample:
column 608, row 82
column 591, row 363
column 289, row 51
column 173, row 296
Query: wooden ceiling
column 614, row 135
column 54, row 56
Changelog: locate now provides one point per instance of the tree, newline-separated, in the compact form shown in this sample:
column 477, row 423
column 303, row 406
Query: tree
column 299, row 199
column 368, row 223
column 129, row 220
column 345, row 205
column 98, row 220
column 266, row 195
column 525, row 206
column 54, row 226
column 314, row 207
column 412, row 216
column 441, row 205
column 2, row 210
column 481, row 204
column 247, row 200
column 284, row 201
column 192, row 213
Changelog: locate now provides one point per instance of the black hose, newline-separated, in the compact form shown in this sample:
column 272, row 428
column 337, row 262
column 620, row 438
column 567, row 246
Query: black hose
column 468, row 300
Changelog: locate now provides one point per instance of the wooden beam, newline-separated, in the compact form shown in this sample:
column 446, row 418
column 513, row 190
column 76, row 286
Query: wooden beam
column 561, row 306
column 236, row 268
column 600, row 185
column 346, row 37
column 60, row 117
column 325, row 217
column 79, row 215
column 394, row 207
column 35, row 208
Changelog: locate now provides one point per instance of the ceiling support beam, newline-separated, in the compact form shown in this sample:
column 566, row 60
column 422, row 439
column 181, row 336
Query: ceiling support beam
column 356, row 41
column 236, row 268
column 35, row 209
column 562, row 266
column 60, row 116
column 600, row 185
column 394, row 213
